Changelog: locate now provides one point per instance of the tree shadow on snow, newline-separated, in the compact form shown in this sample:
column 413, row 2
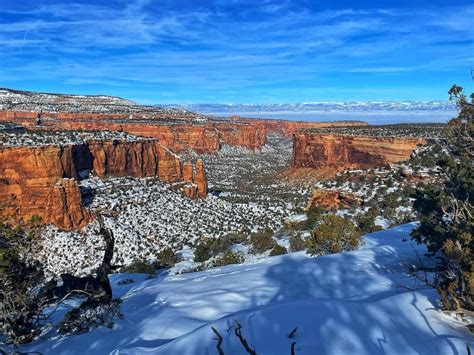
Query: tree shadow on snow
column 353, row 303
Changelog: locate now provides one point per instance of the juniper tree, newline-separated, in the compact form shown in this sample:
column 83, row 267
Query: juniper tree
column 333, row 234
column 446, row 210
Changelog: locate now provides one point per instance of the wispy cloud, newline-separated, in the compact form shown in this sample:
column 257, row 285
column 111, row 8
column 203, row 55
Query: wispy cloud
column 231, row 49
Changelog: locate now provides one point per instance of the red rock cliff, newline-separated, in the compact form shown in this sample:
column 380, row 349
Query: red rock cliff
column 202, row 137
column 288, row 128
column 41, row 181
column 312, row 150
column 145, row 158
column 34, row 182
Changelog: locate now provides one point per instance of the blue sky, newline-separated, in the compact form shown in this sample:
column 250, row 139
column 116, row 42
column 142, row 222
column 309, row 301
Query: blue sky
column 247, row 51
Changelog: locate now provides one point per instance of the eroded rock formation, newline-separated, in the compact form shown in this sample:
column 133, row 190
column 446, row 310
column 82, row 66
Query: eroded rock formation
column 340, row 152
column 288, row 128
column 204, row 136
column 42, row 181
column 34, row 181
column 195, row 182
column 333, row 199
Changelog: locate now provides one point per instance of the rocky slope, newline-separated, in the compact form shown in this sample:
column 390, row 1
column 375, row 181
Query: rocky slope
column 340, row 152
column 42, row 180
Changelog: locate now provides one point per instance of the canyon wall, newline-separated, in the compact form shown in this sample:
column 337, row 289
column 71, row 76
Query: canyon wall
column 288, row 128
column 42, row 181
column 205, row 136
column 38, row 181
column 340, row 152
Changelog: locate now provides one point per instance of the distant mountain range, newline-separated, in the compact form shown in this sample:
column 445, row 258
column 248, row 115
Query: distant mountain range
column 338, row 106
column 373, row 112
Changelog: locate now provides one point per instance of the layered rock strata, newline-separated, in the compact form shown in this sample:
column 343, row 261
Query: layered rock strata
column 42, row 181
column 39, row 182
column 196, row 182
column 340, row 152
column 201, row 136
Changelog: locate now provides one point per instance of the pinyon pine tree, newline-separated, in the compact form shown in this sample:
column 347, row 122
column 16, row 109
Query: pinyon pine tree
column 446, row 210
column 333, row 234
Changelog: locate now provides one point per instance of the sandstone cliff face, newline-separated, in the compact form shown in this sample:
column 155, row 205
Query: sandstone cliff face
column 33, row 182
column 66, row 208
column 200, row 179
column 145, row 158
column 42, row 181
column 288, row 128
column 200, row 138
column 203, row 137
column 312, row 150
column 243, row 135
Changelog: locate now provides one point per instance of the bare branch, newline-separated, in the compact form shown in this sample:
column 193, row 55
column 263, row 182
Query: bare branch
column 293, row 348
column 219, row 341
column 243, row 341
column 293, row 332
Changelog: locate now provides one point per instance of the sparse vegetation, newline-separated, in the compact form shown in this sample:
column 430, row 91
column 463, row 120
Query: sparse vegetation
column 314, row 215
column 333, row 235
column 229, row 258
column 366, row 221
column 166, row 257
column 90, row 315
column 447, row 210
column 278, row 250
column 141, row 266
column 297, row 243
column 19, row 305
column 262, row 241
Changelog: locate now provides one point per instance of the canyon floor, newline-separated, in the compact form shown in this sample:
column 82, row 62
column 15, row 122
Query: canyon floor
column 248, row 193
column 146, row 215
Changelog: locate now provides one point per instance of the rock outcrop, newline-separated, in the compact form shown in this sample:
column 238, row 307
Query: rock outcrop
column 333, row 199
column 340, row 152
column 66, row 208
column 142, row 158
column 34, row 182
column 42, row 181
column 178, row 138
column 195, row 182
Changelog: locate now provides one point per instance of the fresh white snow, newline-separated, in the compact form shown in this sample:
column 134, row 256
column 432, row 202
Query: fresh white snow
column 359, row 302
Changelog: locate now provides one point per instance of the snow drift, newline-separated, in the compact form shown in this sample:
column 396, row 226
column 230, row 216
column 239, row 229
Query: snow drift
column 359, row 302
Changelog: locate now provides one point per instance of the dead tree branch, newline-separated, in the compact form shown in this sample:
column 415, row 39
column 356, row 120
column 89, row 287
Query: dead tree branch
column 293, row 348
column 293, row 333
column 243, row 341
column 219, row 341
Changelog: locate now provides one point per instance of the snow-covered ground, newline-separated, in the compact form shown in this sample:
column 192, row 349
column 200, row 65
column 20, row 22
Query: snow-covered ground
column 238, row 174
column 147, row 216
column 359, row 302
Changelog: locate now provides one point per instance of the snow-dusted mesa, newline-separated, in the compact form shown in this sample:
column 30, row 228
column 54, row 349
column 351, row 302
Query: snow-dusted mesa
column 358, row 302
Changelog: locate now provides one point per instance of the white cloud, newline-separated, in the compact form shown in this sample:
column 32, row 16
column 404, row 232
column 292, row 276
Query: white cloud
column 145, row 44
